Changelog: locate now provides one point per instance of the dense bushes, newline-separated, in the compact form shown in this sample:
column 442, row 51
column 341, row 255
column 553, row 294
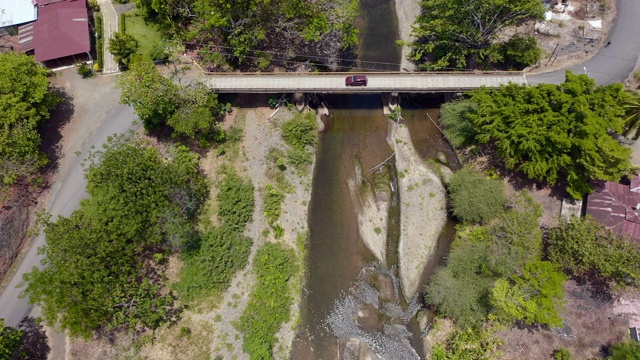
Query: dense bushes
column 495, row 271
column 215, row 257
column 458, row 127
column 585, row 249
column 474, row 197
column 270, row 301
column 300, row 134
column 25, row 103
column 98, row 268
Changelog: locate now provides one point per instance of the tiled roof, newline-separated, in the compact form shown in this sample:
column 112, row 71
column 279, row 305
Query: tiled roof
column 616, row 206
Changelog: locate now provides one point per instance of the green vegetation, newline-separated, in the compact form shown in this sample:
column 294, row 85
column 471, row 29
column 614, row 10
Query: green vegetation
column 458, row 127
column 190, row 111
column 468, row 344
column 625, row 351
column 122, row 46
column 243, row 29
column 482, row 255
column 533, row 297
column 84, row 70
column 554, row 132
column 300, row 133
column 97, row 270
column 10, row 340
column 584, row 248
column 99, row 42
column 272, row 204
column 463, row 34
column 25, row 103
column 211, row 263
column 631, row 105
column 145, row 32
column 270, row 301
column 476, row 198
column 236, row 201
column 562, row 354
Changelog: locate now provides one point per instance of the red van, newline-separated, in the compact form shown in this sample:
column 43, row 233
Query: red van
column 356, row 80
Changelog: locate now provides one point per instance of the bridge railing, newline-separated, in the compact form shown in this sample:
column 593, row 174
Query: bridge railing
column 402, row 73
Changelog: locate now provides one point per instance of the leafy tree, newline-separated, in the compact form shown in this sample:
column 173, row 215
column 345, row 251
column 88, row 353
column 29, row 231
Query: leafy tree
column 25, row 103
column 631, row 105
column 94, row 270
column 468, row 344
column 516, row 238
column 625, row 351
column 532, row 297
column 197, row 113
column 553, row 132
column 476, row 198
column 461, row 289
column 122, row 46
column 458, row 127
column 519, row 52
column 584, row 248
column 10, row 340
column 152, row 96
column 463, row 34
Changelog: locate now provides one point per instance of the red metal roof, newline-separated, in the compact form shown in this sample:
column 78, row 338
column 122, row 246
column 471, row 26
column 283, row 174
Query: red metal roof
column 62, row 30
column 617, row 207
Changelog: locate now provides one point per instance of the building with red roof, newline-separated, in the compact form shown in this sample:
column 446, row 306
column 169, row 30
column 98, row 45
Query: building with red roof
column 617, row 206
column 62, row 30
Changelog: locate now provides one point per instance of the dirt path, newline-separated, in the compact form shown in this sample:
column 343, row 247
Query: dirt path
column 110, row 21
column 408, row 11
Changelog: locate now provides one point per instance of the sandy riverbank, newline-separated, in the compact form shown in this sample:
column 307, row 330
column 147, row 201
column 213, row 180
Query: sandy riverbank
column 423, row 212
column 407, row 11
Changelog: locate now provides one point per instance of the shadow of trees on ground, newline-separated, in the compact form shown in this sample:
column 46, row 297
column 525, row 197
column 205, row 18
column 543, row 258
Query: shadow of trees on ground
column 34, row 342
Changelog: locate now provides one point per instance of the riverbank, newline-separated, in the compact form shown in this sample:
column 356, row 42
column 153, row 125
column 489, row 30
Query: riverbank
column 407, row 11
column 423, row 209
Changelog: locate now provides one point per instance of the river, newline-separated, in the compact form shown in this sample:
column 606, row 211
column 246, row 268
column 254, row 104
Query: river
column 355, row 132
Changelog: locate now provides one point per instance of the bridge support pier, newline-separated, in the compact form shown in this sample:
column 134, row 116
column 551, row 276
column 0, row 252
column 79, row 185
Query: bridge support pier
column 389, row 102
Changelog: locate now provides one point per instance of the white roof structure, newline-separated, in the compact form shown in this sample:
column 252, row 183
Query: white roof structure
column 16, row 12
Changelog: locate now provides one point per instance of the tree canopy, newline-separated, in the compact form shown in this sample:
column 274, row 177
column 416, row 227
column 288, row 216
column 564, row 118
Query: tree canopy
column 584, row 248
column 556, row 133
column 247, row 31
column 95, row 268
column 458, row 127
column 10, row 340
column 25, row 102
column 474, row 197
column 463, row 34
column 122, row 46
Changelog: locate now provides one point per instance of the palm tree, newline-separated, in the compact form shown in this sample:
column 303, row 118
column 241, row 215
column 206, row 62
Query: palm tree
column 631, row 107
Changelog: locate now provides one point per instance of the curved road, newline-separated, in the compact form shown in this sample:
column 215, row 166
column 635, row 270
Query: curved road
column 97, row 115
column 612, row 64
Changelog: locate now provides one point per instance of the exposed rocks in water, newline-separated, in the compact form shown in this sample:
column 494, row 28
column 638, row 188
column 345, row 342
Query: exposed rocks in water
column 372, row 206
column 348, row 319
column 423, row 211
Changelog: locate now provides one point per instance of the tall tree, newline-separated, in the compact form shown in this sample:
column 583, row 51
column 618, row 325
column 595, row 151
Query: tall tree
column 25, row 103
column 96, row 266
column 556, row 132
column 122, row 46
column 533, row 297
column 476, row 198
column 463, row 34
column 631, row 107
column 152, row 96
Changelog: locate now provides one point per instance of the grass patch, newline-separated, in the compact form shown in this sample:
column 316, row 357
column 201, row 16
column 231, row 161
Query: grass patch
column 213, row 258
column 269, row 303
column 273, row 204
column 147, row 34
column 300, row 133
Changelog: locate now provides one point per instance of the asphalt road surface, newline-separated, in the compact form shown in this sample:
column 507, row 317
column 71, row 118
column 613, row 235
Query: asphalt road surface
column 611, row 64
column 97, row 115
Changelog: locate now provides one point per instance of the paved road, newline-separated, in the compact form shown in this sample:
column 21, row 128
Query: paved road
column 98, row 115
column 334, row 83
column 110, row 21
column 612, row 64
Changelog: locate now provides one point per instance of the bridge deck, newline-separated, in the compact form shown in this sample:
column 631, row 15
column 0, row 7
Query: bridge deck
column 334, row 83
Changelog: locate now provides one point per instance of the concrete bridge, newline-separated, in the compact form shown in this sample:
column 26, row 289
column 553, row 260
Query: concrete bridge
column 378, row 82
